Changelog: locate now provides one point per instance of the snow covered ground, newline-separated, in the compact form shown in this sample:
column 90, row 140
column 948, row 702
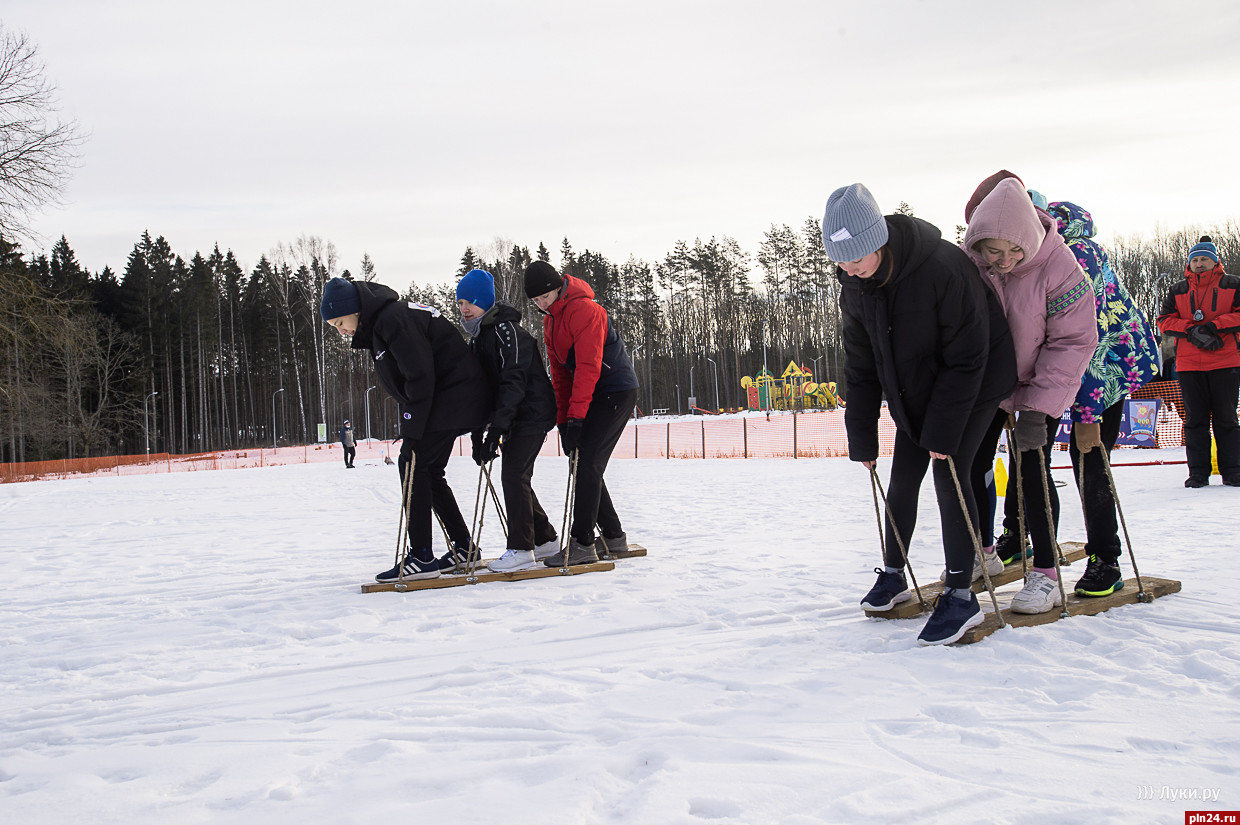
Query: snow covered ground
column 194, row 648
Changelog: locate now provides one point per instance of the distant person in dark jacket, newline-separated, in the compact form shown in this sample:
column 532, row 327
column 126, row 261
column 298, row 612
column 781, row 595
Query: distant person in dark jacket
column 422, row 362
column 595, row 393
column 347, row 442
column 522, row 413
column 920, row 328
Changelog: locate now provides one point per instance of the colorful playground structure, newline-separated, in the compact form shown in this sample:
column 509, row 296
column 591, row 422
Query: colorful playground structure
column 794, row 390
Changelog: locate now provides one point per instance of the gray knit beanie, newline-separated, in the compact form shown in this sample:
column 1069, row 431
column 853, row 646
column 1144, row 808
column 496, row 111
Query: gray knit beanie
column 853, row 225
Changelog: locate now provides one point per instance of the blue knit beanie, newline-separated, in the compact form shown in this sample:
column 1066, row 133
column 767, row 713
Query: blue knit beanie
column 339, row 299
column 1204, row 247
column 1039, row 200
column 477, row 287
column 853, row 225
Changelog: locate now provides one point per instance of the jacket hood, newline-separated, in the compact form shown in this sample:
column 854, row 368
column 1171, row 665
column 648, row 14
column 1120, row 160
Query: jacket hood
column 574, row 289
column 1007, row 214
column 910, row 242
column 1073, row 222
column 373, row 298
column 499, row 313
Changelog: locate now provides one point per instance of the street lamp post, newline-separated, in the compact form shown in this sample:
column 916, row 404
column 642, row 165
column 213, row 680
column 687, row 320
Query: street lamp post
column 716, row 368
column 273, row 417
column 367, row 396
column 146, row 422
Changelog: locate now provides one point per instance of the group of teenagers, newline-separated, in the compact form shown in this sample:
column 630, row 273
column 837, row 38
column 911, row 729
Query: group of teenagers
column 496, row 387
column 1023, row 321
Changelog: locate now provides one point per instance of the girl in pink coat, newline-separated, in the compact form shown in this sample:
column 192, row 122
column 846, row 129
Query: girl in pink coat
column 1050, row 309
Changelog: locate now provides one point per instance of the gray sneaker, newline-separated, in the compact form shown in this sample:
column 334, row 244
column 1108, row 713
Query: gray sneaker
column 615, row 545
column 577, row 554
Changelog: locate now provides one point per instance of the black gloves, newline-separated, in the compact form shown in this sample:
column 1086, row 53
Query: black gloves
column 1030, row 431
column 1205, row 336
column 570, row 434
column 486, row 450
column 407, row 448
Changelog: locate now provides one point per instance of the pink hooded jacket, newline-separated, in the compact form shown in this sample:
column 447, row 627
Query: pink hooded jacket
column 1048, row 301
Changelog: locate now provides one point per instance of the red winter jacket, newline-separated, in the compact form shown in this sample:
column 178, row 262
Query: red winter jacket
column 575, row 330
column 1217, row 295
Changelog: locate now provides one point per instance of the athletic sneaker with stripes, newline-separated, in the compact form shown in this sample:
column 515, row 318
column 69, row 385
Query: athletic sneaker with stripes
column 411, row 569
column 514, row 560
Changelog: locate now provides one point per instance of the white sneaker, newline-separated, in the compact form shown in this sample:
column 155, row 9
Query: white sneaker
column 994, row 566
column 1040, row 594
column 547, row 549
column 514, row 560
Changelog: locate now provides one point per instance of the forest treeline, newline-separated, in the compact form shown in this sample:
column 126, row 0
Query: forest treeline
column 192, row 355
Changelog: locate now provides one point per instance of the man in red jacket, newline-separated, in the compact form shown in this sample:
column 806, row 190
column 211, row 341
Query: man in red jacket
column 1202, row 314
column 595, row 390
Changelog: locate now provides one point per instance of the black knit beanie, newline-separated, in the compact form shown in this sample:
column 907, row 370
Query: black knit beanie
column 541, row 278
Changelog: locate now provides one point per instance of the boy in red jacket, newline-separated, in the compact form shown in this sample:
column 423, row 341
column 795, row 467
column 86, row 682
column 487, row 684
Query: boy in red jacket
column 595, row 390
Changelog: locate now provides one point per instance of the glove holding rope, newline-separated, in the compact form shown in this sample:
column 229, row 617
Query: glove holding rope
column 1030, row 431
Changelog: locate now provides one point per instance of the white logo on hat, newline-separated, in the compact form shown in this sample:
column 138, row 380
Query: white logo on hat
column 841, row 234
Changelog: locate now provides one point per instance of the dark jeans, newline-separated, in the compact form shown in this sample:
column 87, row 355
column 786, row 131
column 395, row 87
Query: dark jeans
column 350, row 453
column 528, row 524
column 1210, row 395
column 604, row 425
column 908, row 469
column 431, row 490
column 1034, row 486
column 1097, row 497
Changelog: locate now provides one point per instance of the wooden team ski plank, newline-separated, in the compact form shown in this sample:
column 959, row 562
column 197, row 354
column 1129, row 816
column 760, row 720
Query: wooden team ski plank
column 1072, row 551
column 1077, row 606
column 485, row 575
column 633, row 551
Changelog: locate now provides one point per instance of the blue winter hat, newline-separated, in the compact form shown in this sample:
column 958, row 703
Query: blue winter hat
column 1204, row 247
column 853, row 225
column 339, row 299
column 477, row 287
column 1039, row 200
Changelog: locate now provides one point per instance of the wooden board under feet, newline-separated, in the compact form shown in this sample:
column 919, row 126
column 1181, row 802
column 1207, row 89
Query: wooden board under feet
column 632, row 551
column 1072, row 551
column 1077, row 606
column 482, row 574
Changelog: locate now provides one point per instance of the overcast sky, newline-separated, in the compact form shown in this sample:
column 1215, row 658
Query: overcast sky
column 410, row 130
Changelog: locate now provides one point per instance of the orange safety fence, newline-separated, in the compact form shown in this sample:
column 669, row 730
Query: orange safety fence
column 808, row 434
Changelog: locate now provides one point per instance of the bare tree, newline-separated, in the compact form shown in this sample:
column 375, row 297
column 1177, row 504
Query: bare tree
column 37, row 151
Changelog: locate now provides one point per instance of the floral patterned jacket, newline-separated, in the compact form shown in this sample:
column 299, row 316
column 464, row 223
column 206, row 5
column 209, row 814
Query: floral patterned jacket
column 1127, row 353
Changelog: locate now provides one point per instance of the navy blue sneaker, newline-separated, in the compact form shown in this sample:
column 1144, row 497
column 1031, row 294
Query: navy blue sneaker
column 887, row 592
column 411, row 569
column 950, row 619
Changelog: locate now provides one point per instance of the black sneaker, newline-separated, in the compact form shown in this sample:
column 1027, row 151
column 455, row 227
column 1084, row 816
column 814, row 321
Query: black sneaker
column 459, row 558
column 1196, row 481
column 1232, row 481
column 1102, row 578
column 951, row 618
column 887, row 592
column 1007, row 548
column 412, row 569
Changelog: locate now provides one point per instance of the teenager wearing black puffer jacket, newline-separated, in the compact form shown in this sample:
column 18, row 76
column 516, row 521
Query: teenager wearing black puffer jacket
column 422, row 362
column 521, row 415
column 920, row 328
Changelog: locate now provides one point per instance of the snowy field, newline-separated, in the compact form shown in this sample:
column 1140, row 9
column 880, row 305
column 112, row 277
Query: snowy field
column 194, row 648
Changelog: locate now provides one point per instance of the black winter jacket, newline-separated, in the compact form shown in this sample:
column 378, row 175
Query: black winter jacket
column 423, row 362
column 926, row 332
column 510, row 358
